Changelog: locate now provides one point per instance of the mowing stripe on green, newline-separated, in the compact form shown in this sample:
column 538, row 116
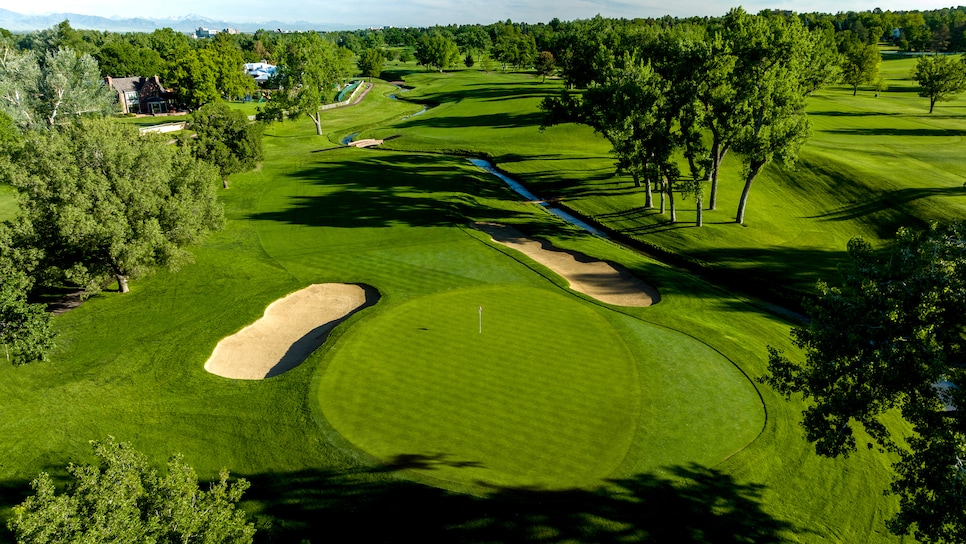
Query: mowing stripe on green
column 546, row 396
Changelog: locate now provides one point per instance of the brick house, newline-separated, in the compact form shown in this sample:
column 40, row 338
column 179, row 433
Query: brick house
column 141, row 94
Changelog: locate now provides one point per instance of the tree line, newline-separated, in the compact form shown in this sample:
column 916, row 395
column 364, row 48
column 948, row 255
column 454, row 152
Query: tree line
column 655, row 93
column 96, row 200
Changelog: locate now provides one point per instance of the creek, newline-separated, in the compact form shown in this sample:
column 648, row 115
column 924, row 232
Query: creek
column 757, row 295
column 525, row 193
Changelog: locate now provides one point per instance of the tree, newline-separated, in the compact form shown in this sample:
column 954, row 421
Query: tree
column 436, row 51
column 472, row 39
column 102, row 202
column 193, row 79
column 121, row 58
column 309, row 68
column 225, row 138
column 170, row 45
column 486, row 64
column 632, row 110
column 584, row 50
column 226, row 58
column 123, row 499
column 370, row 63
column 860, row 64
column 207, row 74
column 940, row 78
column 59, row 36
column 25, row 330
column 891, row 339
column 545, row 64
column 42, row 91
column 770, row 87
column 512, row 48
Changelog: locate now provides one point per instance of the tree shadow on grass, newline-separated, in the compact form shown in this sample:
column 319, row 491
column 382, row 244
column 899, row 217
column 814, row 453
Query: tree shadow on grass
column 778, row 273
column 693, row 504
column 491, row 92
column 389, row 190
column 887, row 201
column 489, row 121
column 935, row 132
column 834, row 113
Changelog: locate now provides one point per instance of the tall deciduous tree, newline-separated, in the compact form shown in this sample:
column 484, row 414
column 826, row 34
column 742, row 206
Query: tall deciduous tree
column 584, row 50
column 39, row 91
column 192, row 77
column 204, row 75
column 545, row 64
column 860, row 65
column 513, row 48
column 940, row 78
column 225, row 138
column 25, row 330
column 770, row 91
column 436, row 51
column 891, row 338
column 124, row 499
column 121, row 58
column 103, row 202
column 370, row 63
column 225, row 56
column 309, row 68
column 473, row 38
column 632, row 109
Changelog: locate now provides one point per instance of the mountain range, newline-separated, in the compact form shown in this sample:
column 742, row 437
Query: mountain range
column 16, row 22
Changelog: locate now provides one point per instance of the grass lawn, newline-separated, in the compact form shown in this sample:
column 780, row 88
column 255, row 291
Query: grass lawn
column 566, row 419
column 548, row 396
column 152, row 120
column 8, row 202
column 872, row 165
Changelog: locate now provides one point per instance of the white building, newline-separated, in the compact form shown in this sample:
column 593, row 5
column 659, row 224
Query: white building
column 260, row 71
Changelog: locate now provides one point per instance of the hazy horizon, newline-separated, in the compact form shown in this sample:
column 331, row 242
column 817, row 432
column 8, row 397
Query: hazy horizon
column 443, row 12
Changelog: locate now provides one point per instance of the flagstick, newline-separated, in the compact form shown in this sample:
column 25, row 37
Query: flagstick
column 481, row 320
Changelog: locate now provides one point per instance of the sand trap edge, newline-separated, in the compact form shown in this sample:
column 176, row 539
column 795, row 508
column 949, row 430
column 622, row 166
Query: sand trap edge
column 605, row 281
column 289, row 330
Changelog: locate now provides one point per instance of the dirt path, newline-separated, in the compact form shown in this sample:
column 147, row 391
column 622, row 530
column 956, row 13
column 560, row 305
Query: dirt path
column 290, row 330
column 610, row 283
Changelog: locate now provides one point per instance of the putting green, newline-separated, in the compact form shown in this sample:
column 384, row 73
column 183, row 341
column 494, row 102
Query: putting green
column 549, row 394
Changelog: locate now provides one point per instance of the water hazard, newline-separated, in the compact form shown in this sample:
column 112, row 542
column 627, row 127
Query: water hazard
column 525, row 193
column 420, row 112
column 348, row 139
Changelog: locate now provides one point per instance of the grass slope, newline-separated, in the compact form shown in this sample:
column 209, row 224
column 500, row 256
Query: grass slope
column 131, row 366
column 873, row 164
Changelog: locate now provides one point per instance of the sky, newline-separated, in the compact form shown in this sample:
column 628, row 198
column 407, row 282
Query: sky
column 366, row 13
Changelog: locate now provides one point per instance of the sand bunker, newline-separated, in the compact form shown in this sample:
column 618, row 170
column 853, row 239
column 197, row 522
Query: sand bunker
column 366, row 143
column 610, row 283
column 290, row 330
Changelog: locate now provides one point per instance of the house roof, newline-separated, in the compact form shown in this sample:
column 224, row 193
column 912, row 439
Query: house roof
column 261, row 71
column 126, row 84
column 131, row 84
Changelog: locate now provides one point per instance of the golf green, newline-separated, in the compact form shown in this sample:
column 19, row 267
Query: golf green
column 548, row 395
